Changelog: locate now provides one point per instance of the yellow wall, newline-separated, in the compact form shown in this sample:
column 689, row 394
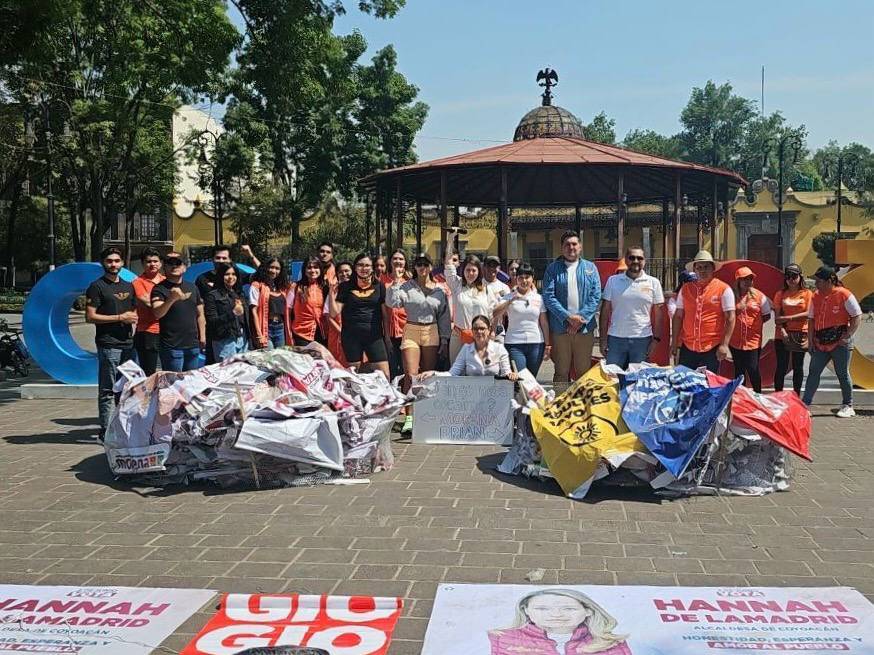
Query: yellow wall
column 198, row 230
column 816, row 214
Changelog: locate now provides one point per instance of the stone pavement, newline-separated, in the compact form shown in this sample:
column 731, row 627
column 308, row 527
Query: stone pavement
column 440, row 515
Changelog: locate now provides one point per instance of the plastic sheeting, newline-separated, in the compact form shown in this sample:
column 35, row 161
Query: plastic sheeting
column 266, row 418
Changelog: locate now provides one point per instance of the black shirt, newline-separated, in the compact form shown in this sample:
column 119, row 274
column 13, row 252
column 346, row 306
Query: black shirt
column 179, row 324
column 277, row 307
column 218, row 306
column 205, row 282
column 362, row 308
column 110, row 298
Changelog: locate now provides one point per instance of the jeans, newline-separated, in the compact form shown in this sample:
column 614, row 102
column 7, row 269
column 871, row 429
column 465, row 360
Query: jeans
column 275, row 334
column 693, row 360
column 746, row 362
column 570, row 350
column 527, row 355
column 108, row 361
column 222, row 349
column 840, row 358
column 623, row 351
column 783, row 358
column 147, row 345
column 180, row 359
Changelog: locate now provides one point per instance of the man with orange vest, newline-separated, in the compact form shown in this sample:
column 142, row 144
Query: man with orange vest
column 704, row 319
column 834, row 315
column 752, row 310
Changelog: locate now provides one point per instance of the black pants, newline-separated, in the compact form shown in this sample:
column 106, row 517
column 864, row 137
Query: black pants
column 783, row 358
column 396, row 364
column 746, row 362
column 147, row 344
column 693, row 360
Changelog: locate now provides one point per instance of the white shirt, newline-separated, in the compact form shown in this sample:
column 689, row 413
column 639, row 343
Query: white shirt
column 468, row 361
column 523, row 318
column 631, row 301
column 498, row 288
column 468, row 302
column 561, row 640
column 573, row 291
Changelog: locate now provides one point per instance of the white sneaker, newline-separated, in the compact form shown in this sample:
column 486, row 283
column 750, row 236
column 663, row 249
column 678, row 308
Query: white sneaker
column 846, row 411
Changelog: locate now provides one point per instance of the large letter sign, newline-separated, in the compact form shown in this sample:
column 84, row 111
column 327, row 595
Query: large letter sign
column 47, row 326
column 341, row 625
column 860, row 280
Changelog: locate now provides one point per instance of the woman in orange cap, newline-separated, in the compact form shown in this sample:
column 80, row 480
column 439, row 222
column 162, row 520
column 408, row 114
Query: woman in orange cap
column 752, row 309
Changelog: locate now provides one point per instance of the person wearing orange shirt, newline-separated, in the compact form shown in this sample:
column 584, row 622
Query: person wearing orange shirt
column 147, row 339
column 704, row 319
column 751, row 311
column 834, row 316
column 309, row 304
column 791, row 305
column 271, row 296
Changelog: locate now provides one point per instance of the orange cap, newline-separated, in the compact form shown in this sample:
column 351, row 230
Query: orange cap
column 621, row 265
column 742, row 272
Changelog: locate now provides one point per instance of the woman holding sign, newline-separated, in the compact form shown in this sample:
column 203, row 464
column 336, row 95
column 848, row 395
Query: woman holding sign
column 482, row 357
column 562, row 621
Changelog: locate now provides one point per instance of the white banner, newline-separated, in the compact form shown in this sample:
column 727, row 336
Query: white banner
column 465, row 410
column 92, row 620
column 616, row 620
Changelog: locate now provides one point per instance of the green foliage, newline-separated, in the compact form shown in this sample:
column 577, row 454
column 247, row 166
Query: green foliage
column 653, row 143
column 714, row 125
column 343, row 225
column 824, row 245
column 601, row 129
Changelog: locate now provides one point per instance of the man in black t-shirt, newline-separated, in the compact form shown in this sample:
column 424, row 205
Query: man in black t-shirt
column 205, row 282
column 111, row 308
column 179, row 309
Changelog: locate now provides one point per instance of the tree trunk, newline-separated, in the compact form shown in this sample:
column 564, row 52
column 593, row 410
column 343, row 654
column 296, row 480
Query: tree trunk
column 10, row 234
column 74, row 210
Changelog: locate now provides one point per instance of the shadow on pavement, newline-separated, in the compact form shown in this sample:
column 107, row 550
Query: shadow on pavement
column 85, row 437
column 488, row 464
column 77, row 421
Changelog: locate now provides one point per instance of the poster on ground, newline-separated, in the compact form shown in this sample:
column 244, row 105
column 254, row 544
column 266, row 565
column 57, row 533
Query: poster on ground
column 341, row 625
column 625, row 620
column 92, row 620
column 465, row 410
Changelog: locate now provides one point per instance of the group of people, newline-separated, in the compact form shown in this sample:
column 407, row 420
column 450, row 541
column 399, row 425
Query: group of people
column 467, row 318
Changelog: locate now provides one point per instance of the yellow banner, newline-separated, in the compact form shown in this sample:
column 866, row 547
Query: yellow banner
column 580, row 428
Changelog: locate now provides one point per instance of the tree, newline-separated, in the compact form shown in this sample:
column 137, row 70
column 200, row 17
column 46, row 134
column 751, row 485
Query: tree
column 101, row 74
column 715, row 122
column 758, row 149
column 601, row 129
column 653, row 143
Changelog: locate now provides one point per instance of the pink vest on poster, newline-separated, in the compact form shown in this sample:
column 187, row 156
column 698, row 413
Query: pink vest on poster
column 531, row 640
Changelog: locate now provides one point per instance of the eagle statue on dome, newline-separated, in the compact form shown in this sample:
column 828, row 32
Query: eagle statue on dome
column 547, row 78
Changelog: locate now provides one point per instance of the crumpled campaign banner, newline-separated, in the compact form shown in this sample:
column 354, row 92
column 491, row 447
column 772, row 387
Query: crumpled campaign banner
column 581, row 428
column 671, row 410
column 351, row 625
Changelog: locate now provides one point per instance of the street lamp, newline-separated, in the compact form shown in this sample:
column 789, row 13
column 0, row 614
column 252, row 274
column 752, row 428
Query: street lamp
column 205, row 166
column 836, row 168
column 792, row 141
column 50, row 197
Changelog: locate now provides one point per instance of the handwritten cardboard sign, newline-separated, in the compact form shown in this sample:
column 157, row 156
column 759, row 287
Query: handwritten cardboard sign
column 466, row 410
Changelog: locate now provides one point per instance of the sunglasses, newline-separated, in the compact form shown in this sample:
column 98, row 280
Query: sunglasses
column 173, row 261
column 634, row 258
column 789, row 276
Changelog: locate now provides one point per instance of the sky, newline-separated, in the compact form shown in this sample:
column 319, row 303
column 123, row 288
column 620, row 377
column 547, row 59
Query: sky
column 475, row 62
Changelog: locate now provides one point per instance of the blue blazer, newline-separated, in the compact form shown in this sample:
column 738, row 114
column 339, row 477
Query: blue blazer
column 555, row 295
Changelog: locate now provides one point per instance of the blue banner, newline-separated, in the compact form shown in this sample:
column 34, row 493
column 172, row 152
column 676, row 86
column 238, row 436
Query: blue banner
column 671, row 410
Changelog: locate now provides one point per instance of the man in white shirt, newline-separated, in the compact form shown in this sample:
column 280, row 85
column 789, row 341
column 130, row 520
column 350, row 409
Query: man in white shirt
column 629, row 328
column 491, row 266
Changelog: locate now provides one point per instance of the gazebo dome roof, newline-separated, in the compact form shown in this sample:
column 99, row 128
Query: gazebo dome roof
column 548, row 121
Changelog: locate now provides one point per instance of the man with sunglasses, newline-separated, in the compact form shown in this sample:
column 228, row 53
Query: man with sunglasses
column 704, row 320
column 111, row 308
column 629, row 329
column 179, row 308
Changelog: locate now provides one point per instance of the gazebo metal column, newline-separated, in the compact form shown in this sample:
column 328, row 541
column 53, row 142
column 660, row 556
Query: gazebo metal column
column 699, row 230
column 367, row 220
column 714, row 221
column 620, row 214
column 578, row 219
column 378, row 211
column 399, row 210
column 443, row 225
column 665, row 219
column 503, row 219
column 722, row 207
column 418, row 228
column 456, row 222
column 678, row 214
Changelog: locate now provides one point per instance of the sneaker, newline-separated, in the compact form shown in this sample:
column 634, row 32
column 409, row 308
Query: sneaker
column 408, row 425
column 846, row 411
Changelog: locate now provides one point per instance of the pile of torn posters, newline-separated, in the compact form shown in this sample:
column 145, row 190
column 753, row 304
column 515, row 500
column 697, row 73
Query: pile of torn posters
column 267, row 418
column 678, row 431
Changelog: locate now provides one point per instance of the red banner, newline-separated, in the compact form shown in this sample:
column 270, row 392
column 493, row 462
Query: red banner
column 341, row 625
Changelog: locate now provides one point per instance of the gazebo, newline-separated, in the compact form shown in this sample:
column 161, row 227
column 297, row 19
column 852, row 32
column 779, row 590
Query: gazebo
column 550, row 164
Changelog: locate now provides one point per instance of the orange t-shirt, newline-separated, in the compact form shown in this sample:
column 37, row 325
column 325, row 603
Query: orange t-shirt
column 790, row 304
column 307, row 311
column 397, row 315
column 146, row 320
column 704, row 308
column 747, row 334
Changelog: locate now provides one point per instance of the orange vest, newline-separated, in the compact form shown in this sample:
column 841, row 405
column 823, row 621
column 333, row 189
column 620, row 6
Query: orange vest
column 747, row 333
column 703, row 318
column 790, row 304
column 830, row 311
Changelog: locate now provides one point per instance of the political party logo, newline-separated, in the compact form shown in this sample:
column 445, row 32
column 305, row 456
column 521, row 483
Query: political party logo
column 93, row 592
